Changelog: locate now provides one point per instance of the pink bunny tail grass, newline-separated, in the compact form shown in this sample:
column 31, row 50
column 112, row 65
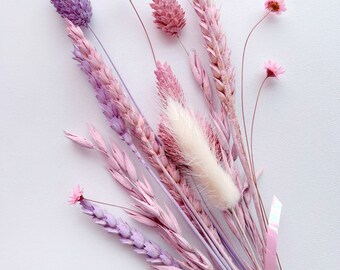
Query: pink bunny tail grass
column 202, row 79
column 141, row 130
column 155, row 255
column 169, row 16
column 167, row 84
column 148, row 210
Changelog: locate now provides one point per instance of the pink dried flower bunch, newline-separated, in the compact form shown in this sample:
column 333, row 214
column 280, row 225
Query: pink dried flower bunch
column 193, row 165
column 169, row 16
column 148, row 211
column 275, row 6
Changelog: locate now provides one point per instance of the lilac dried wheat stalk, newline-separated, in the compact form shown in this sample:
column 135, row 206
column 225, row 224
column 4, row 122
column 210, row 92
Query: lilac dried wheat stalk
column 128, row 236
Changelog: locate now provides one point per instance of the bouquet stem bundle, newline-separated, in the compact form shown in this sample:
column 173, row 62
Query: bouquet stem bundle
column 201, row 164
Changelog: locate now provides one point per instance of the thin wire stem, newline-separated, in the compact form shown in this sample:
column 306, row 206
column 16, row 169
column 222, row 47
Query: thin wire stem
column 252, row 254
column 196, row 217
column 242, row 81
column 180, row 41
column 220, row 231
column 114, row 67
column 243, row 115
column 253, row 123
column 145, row 31
column 251, row 143
column 108, row 204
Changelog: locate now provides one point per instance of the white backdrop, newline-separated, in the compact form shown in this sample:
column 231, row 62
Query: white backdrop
column 43, row 92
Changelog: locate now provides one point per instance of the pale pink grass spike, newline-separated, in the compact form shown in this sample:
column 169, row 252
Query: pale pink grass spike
column 77, row 195
column 275, row 6
column 273, row 69
column 169, row 16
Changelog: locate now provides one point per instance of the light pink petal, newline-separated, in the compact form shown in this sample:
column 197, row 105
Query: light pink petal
column 79, row 140
column 130, row 168
column 97, row 138
column 141, row 219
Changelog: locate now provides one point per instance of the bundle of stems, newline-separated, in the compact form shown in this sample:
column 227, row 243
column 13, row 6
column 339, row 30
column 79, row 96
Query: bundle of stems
column 202, row 164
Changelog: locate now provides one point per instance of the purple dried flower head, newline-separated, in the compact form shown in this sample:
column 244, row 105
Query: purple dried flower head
column 169, row 16
column 77, row 11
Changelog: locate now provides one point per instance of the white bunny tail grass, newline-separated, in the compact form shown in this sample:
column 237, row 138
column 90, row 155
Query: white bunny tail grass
column 195, row 149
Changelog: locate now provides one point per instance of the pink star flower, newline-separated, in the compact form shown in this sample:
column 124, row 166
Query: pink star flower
column 276, row 6
column 273, row 69
column 77, row 195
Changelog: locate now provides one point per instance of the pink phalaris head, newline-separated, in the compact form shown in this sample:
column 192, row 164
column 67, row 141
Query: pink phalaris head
column 275, row 6
column 169, row 16
column 77, row 195
column 273, row 69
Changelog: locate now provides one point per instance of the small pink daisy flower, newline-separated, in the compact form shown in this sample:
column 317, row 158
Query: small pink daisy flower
column 77, row 195
column 273, row 69
column 276, row 6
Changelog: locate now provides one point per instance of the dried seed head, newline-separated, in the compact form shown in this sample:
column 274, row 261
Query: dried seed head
column 169, row 16
column 79, row 12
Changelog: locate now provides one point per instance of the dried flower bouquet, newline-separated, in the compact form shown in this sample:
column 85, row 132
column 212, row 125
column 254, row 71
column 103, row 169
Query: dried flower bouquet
column 204, row 165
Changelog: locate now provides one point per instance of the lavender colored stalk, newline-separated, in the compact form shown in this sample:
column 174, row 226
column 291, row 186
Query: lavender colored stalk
column 128, row 236
column 110, row 111
column 79, row 12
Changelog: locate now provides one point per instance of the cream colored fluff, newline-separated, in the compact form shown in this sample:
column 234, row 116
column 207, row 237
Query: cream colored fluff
column 207, row 171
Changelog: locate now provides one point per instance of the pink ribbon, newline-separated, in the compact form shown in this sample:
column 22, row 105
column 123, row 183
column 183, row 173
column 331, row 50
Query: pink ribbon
column 272, row 233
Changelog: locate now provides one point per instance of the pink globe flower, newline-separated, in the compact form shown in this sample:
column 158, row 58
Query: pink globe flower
column 169, row 16
column 77, row 195
column 273, row 69
column 276, row 6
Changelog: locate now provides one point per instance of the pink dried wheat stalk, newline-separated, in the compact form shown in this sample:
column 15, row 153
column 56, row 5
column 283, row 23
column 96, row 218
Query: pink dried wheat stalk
column 148, row 211
column 223, row 74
